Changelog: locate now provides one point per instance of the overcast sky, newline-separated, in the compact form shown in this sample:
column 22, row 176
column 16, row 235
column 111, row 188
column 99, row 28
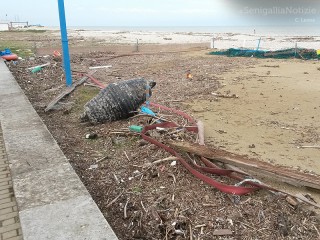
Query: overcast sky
column 148, row 12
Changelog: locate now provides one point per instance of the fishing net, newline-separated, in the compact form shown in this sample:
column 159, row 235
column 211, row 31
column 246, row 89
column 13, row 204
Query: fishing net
column 301, row 53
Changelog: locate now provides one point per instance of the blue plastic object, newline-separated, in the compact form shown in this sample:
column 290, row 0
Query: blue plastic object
column 7, row 51
column 146, row 110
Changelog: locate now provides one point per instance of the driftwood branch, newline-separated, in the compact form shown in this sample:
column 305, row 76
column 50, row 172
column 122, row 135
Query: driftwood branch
column 66, row 92
column 281, row 173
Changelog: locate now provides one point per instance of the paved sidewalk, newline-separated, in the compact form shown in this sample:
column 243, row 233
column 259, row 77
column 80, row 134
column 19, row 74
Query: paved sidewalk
column 10, row 228
column 52, row 201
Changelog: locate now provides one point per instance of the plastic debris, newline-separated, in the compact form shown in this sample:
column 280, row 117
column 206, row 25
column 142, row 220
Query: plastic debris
column 99, row 67
column 135, row 128
column 6, row 51
column 94, row 166
column 146, row 110
column 36, row 69
column 91, row 136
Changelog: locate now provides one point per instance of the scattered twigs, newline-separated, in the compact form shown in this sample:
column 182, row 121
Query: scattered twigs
column 160, row 161
column 208, row 205
column 115, row 199
column 315, row 146
column 102, row 159
column 116, row 178
column 91, row 85
column 174, row 178
column 143, row 207
column 225, row 95
column 99, row 67
column 126, row 155
column 200, row 226
column 148, row 115
column 43, row 65
column 316, row 230
column 125, row 209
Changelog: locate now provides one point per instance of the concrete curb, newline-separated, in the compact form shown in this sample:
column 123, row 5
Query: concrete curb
column 52, row 201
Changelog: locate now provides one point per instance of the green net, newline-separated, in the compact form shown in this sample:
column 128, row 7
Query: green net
column 300, row 53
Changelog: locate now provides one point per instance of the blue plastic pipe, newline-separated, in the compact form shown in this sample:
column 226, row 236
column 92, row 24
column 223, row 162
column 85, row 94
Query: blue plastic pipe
column 64, row 40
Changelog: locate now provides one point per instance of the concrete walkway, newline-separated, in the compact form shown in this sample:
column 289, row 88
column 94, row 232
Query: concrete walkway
column 10, row 228
column 52, row 201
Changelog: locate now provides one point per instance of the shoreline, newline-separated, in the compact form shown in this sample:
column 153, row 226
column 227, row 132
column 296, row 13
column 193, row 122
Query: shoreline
column 221, row 40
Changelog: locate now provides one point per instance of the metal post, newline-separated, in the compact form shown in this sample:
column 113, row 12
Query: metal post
column 212, row 42
column 137, row 45
column 258, row 44
column 64, row 40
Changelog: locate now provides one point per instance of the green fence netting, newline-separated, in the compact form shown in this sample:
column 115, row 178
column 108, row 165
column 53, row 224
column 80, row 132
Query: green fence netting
column 301, row 53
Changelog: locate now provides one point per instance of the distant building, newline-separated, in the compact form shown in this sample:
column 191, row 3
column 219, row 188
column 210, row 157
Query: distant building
column 7, row 26
column 4, row 26
column 13, row 25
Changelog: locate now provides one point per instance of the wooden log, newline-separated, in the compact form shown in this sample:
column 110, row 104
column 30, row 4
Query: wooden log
column 200, row 132
column 255, row 166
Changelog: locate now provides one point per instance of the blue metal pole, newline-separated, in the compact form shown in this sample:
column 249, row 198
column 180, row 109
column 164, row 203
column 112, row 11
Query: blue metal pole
column 64, row 40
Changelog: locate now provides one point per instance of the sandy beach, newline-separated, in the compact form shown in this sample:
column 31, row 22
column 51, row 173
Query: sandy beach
column 222, row 40
column 274, row 118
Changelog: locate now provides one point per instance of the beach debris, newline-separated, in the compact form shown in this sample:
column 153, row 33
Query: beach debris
column 160, row 161
column 189, row 75
column 281, row 173
column 142, row 143
column 91, row 136
column 174, row 163
column 222, row 232
column 282, row 221
column 148, row 111
column 95, row 81
column 315, row 146
column 56, row 53
column 99, row 67
column 224, row 95
column 117, row 101
column 6, row 51
column 38, row 67
column 94, row 166
column 300, row 197
column 10, row 57
column 115, row 199
column 135, row 128
column 66, row 92
column 200, row 126
column 292, row 201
